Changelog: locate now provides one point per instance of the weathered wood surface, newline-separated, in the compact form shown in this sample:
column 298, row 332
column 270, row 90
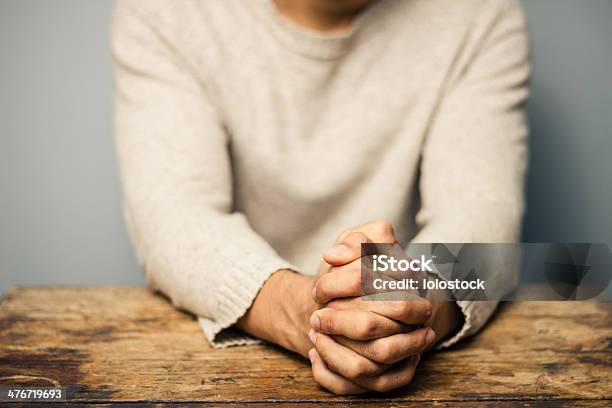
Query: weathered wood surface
column 122, row 344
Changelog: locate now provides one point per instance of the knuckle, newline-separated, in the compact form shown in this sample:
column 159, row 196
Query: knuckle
column 386, row 383
column 371, row 369
column 418, row 343
column 383, row 352
column 416, row 309
column 341, row 389
column 327, row 320
column 357, row 369
column 383, row 229
column 427, row 308
column 368, row 327
column 379, row 385
column 343, row 235
column 404, row 308
column 323, row 287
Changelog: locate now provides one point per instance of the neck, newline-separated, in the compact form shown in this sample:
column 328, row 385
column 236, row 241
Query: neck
column 321, row 15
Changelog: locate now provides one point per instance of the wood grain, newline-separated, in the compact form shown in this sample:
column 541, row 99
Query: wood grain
column 125, row 344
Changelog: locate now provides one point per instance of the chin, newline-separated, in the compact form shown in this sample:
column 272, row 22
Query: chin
column 344, row 6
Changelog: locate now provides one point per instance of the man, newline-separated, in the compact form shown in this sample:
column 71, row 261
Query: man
column 250, row 133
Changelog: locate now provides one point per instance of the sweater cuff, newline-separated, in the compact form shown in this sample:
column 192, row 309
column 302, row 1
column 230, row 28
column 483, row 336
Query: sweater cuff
column 234, row 297
column 222, row 338
column 475, row 313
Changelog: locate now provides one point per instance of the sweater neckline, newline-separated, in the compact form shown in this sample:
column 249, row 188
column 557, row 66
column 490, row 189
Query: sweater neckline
column 308, row 42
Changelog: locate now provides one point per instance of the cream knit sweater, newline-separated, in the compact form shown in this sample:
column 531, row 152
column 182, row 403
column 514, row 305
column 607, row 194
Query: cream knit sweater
column 246, row 144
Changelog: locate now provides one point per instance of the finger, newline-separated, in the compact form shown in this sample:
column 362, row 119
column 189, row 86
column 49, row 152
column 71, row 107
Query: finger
column 344, row 361
column 380, row 231
column 330, row 380
column 355, row 324
column 347, row 250
column 391, row 349
column 396, row 377
column 411, row 312
column 342, row 281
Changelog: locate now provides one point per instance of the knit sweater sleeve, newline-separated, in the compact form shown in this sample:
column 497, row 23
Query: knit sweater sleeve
column 177, row 182
column 474, row 159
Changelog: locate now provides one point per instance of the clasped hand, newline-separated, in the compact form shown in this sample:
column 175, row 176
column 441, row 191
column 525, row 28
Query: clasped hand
column 361, row 346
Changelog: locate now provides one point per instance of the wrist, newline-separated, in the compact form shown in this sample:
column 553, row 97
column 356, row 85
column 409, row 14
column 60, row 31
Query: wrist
column 281, row 310
column 295, row 307
column 448, row 320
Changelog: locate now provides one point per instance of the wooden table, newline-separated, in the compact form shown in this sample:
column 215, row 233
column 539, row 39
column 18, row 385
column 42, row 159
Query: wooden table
column 125, row 344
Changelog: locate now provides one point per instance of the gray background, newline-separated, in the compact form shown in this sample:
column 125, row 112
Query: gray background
column 60, row 220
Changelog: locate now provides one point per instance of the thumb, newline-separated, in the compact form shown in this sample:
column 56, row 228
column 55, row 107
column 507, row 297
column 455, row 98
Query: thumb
column 347, row 250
